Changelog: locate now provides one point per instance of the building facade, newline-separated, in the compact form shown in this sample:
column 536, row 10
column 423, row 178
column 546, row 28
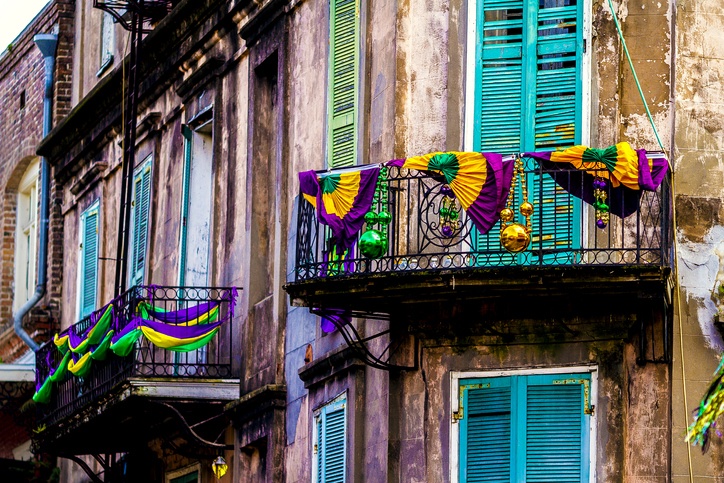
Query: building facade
column 22, row 90
column 409, row 344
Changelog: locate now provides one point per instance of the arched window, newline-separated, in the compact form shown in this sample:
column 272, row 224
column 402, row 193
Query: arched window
column 26, row 235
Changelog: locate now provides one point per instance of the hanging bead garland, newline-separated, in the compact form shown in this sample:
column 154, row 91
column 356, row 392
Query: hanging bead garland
column 599, row 192
column 449, row 214
column 373, row 243
column 515, row 237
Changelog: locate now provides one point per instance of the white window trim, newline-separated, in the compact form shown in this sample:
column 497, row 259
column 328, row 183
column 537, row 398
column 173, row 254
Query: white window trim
column 469, row 104
column 79, row 276
column 23, row 257
column 454, row 426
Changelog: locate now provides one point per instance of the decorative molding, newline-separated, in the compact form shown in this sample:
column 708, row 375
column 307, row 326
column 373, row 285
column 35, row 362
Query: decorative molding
column 339, row 361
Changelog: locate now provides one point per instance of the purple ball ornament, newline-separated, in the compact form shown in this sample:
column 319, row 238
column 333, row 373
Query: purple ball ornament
column 447, row 231
column 600, row 223
column 599, row 183
column 446, row 190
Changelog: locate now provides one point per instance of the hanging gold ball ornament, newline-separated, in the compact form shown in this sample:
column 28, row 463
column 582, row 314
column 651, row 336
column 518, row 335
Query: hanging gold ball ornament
column 526, row 209
column 506, row 214
column 515, row 238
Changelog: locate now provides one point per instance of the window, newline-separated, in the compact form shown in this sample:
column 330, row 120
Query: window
column 524, row 427
column 330, row 442
column 188, row 474
column 525, row 93
column 88, row 266
column 139, row 221
column 108, row 40
column 26, row 235
column 342, row 98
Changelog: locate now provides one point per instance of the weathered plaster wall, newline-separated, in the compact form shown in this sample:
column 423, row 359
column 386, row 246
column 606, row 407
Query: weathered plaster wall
column 699, row 142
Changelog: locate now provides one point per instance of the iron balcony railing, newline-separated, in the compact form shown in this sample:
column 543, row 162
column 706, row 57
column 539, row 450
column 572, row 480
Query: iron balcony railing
column 145, row 360
column 427, row 231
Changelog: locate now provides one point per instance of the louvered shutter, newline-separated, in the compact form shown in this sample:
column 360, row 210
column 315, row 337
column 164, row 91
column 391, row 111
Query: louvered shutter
column 331, row 442
column 141, row 207
column 499, row 74
column 528, row 98
column 486, row 434
column 89, row 260
column 343, row 83
column 558, row 106
column 556, row 430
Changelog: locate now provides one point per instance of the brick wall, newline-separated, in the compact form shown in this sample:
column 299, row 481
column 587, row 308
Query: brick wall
column 22, row 78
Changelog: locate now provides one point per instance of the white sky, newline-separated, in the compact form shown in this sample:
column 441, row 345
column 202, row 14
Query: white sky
column 15, row 15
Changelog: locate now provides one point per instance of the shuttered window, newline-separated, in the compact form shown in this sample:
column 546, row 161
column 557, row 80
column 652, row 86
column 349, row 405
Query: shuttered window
column 528, row 97
column 330, row 445
column 139, row 221
column 525, row 428
column 342, row 100
column 88, row 287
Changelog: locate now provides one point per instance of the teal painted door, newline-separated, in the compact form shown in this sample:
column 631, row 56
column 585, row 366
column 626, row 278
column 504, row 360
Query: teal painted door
column 525, row 428
column 528, row 97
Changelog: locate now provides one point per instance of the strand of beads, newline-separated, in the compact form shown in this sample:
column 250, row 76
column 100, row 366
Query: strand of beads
column 373, row 242
column 602, row 209
column 449, row 213
column 515, row 237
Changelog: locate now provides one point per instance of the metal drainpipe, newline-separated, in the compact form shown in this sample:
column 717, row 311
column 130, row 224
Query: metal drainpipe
column 47, row 44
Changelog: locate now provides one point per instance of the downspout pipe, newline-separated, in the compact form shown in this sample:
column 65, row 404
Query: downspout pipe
column 47, row 44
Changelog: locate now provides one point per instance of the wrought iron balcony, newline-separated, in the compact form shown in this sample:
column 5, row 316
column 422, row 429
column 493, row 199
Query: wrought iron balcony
column 429, row 232
column 145, row 360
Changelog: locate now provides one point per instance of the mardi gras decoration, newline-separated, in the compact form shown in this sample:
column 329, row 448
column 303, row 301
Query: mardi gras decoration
column 373, row 242
column 626, row 170
column 710, row 408
column 341, row 200
column 515, row 237
column 179, row 331
column 478, row 181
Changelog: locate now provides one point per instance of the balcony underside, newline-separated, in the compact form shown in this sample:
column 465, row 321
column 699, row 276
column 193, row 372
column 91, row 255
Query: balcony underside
column 516, row 290
column 140, row 410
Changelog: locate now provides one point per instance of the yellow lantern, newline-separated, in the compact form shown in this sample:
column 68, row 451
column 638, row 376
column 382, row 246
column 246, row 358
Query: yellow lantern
column 219, row 467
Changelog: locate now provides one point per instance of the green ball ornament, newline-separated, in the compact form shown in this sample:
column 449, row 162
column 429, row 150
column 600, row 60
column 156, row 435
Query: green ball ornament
column 384, row 217
column 370, row 217
column 444, row 212
column 372, row 244
column 454, row 215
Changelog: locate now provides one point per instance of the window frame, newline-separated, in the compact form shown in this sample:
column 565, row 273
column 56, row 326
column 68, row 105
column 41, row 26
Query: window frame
column 185, row 471
column 470, row 72
column 145, row 165
column 454, row 425
column 94, row 206
column 340, row 401
column 28, row 198
column 107, row 42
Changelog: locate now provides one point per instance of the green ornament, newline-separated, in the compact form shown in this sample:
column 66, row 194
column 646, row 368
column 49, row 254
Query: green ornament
column 372, row 244
column 444, row 212
column 454, row 215
column 600, row 206
column 371, row 218
column 384, row 217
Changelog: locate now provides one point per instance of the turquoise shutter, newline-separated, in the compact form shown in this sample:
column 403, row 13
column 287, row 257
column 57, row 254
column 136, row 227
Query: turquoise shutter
column 331, row 442
column 187, row 135
column 499, row 76
column 141, row 207
column 89, row 260
column 528, row 98
column 558, row 105
column 525, row 428
column 485, row 450
column 343, row 83
column 556, row 429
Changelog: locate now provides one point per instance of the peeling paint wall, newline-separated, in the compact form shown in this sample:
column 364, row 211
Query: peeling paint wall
column 698, row 148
